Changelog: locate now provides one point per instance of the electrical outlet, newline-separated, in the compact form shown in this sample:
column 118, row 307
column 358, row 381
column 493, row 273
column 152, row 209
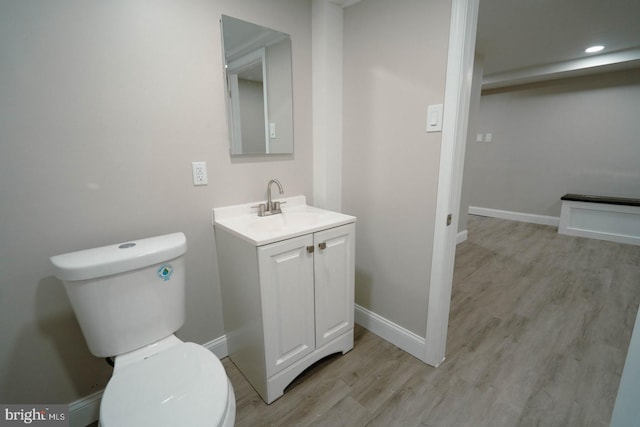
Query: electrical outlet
column 199, row 170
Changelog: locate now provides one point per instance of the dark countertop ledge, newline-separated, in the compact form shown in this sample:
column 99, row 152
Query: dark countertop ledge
column 601, row 199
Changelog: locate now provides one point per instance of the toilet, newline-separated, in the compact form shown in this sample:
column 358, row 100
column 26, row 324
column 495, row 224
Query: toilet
column 129, row 299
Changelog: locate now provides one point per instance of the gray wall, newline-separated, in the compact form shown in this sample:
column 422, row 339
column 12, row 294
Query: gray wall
column 576, row 135
column 251, row 100
column 279, row 95
column 103, row 107
column 395, row 56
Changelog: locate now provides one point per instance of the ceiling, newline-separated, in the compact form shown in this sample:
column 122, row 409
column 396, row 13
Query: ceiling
column 526, row 37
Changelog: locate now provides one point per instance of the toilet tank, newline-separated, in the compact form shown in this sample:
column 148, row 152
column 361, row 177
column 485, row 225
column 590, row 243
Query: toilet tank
column 126, row 295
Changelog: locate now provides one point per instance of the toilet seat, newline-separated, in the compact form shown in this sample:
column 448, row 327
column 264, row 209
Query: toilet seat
column 183, row 385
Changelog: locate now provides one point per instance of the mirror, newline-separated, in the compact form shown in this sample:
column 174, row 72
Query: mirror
column 257, row 64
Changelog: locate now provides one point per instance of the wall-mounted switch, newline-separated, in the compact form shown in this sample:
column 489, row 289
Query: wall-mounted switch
column 434, row 118
column 199, row 170
column 272, row 130
column 488, row 137
column 479, row 137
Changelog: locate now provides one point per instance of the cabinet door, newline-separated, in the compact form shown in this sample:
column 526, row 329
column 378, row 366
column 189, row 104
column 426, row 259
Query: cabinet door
column 334, row 282
column 286, row 275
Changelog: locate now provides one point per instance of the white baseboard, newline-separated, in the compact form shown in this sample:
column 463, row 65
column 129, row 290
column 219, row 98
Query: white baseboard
column 218, row 347
column 86, row 410
column 389, row 331
column 515, row 216
column 461, row 236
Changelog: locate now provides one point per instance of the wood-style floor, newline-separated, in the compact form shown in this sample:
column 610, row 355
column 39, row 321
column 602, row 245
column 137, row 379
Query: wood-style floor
column 538, row 332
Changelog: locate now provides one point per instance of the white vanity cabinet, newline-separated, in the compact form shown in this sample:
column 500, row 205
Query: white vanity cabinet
column 307, row 294
column 286, row 303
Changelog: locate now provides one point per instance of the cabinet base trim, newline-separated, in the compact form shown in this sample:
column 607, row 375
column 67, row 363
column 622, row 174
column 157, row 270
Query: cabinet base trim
column 277, row 383
column 395, row 334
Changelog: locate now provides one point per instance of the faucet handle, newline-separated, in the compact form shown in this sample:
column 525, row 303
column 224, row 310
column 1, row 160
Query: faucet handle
column 261, row 208
column 276, row 207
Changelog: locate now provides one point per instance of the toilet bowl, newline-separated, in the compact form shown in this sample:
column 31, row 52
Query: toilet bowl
column 129, row 301
column 178, row 384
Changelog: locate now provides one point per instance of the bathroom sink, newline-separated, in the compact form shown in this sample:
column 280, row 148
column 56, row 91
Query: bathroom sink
column 284, row 221
column 297, row 218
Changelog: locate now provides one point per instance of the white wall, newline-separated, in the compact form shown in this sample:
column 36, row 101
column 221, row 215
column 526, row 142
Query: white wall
column 103, row 107
column 395, row 56
column 576, row 135
column 472, row 130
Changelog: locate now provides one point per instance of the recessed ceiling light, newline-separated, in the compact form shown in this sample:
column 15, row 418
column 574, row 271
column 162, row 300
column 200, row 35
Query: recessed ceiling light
column 594, row 49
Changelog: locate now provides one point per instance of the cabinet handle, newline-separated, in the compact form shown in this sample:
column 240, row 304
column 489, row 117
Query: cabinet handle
column 310, row 249
column 322, row 245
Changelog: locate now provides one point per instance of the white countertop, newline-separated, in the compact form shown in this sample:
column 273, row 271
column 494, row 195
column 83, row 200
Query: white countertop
column 297, row 219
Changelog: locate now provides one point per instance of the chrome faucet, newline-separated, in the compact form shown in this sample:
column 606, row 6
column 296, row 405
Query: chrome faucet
column 271, row 204
column 271, row 207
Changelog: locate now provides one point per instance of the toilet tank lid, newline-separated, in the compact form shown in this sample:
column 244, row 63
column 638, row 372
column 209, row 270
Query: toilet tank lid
column 118, row 258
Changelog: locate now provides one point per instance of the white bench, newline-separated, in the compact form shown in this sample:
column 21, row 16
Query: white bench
column 615, row 219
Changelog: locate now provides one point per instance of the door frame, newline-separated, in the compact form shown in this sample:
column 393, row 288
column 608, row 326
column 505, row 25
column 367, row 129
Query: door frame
column 461, row 52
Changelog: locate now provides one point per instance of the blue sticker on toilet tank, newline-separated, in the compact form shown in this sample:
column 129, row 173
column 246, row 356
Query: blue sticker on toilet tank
column 165, row 271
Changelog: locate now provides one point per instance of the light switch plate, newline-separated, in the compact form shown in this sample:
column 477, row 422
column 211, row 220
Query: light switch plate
column 434, row 118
